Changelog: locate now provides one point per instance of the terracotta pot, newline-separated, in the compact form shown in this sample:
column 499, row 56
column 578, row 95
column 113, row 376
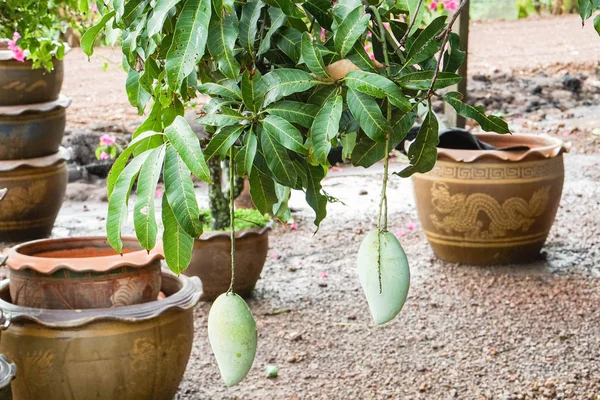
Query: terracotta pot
column 491, row 206
column 125, row 353
column 32, row 131
column 7, row 374
column 211, row 261
column 82, row 273
column 31, row 194
column 19, row 84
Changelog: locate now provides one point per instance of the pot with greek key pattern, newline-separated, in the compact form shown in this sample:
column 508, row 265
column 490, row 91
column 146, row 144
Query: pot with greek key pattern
column 492, row 206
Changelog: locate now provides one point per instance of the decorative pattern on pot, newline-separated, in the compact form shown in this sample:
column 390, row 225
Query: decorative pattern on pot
column 211, row 261
column 492, row 206
column 126, row 353
column 82, row 273
column 8, row 372
column 20, row 84
column 31, row 194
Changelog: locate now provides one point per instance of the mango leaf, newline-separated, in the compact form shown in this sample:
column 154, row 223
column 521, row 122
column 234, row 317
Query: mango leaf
column 377, row 86
column 367, row 113
column 422, row 153
column 249, row 24
column 312, row 57
column 222, row 34
column 277, row 159
column 159, row 14
column 278, row 18
column 189, row 41
column 359, row 57
column 129, row 44
column 326, row 127
column 348, row 144
column 223, row 140
column 89, row 37
column 454, row 56
column 184, row 140
column 262, row 191
column 285, row 133
column 137, row 95
column 320, row 95
column 490, row 123
column 342, row 9
column 253, row 90
column 412, row 6
column 351, row 28
column 226, row 118
column 281, row 210
column 422, row 80
column 426, row 44
column 227, row 89
column 144, row 218
column 320, row 9
column 289, row 8
column 294, row 112
column 179, row 190
column 119, row 199
column 288, row 40
column 178, row 245
column 244, row 159
column 315, row 199
column 286, row 81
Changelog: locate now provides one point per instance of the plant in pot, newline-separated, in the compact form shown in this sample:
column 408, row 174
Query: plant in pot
column 286, row 82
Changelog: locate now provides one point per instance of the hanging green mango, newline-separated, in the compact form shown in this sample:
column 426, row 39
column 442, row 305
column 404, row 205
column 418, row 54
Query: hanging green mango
column 387, row 295
column 232, row 335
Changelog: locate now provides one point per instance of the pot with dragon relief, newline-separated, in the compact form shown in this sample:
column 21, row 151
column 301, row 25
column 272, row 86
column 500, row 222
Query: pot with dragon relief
column 126, row 353
column 211, row 261
column 492, row 206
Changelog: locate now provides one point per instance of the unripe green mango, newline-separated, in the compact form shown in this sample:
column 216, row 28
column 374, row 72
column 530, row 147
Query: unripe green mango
column 395, row 275
column 232, row 335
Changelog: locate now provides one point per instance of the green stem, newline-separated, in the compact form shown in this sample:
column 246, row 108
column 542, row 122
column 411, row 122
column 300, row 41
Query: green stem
column 232, row 218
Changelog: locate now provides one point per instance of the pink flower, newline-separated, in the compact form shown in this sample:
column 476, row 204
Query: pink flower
column 323, row 34
column 400, row 233
column 274, row 256
column 451, row 5
column 566, row 132
column 108, row 140
column 19, row 54
column 294, row 226
column 158, row 193
column 300, row 262
column 323, row 275
column 433, row 6
column 16, row 36
column 94, row 8
column 411, row 226
column 104, row 156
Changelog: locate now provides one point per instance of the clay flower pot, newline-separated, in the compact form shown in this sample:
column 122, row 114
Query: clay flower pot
column 7, row 374
column 211, row 261
column 82, row 273
column 31, row 194
column 32, row 131
column 492, row 206
column 125, row 353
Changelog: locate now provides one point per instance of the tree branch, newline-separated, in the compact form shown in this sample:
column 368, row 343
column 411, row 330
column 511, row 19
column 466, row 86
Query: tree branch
column 411, row 25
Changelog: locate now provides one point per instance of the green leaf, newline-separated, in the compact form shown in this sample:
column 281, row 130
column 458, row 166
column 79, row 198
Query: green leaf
column 117, row 205
column 244, row 159
column 178, row 245
column 426, row 44
column 89, row 37
column 286, row 81
column 189, row 41
column 490, row 123
column 294, row 112
column 227, row 89
column 377, row 86
column 320, row 95
column 278, row 159
column 422, row 153
column 315, row 199
column 289, row 8
column 144, row 218
column 359, row 57
column 422, row 80
column 159, row 14
column 281, row 210
column 223, row 140
column 321, row 10
column 227, row 117
column 249, row 24
column 348, row 144
column 342, row 9
column 179, row 190
column 138, row 97
column 585, row 9
column 411, row 6
column 262, row 191
column 184, row 140
column 288, row 40
column 278, row 18
column 133, row 9
column 351, row 28
column 597, row 23
column 325, row 128
column 253, row 90
column 454, row 56
column 312, row 57
column 367, row 113
column 285, row 133
column 222, row 34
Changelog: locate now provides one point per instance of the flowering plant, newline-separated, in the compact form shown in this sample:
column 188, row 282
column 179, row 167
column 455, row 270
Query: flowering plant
column 108, row 148
column 439, row 7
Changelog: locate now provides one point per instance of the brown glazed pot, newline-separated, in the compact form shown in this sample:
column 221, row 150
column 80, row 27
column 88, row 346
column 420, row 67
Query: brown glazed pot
column 126, row 353
column 211, row 261
column 82, row 273
column 32, row 131
column 7, row 374
column 19, row 84
column 31, row 194
column 492, row 206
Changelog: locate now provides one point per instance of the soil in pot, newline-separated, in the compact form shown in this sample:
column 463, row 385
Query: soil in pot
column 82, row 273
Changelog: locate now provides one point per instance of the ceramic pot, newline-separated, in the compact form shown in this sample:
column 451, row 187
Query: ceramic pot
column 125, row 353
column 31, row 194
column 7, row 374
column 82, row 273
column 492, row 206
column 19, row 84
column 32, row 131
column 211, row 261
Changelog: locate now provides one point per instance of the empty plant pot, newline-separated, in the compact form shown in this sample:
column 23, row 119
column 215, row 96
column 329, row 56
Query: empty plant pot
column 82, row 273
column 492, row 206
column 31, row 194
column 7, row 374
column 126, row 353
column 211, row 261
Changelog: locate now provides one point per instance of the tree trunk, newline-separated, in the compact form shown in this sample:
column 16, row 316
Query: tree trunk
column 558, row 7
column 219, row 199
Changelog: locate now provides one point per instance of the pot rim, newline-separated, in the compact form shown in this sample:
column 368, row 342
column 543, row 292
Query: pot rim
column 18, row 260
column 8, row 371
column 544, row 147
column 63, row 101
column 225, row 235
column 7, row 55
column 187, row 291
column 39, row 162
